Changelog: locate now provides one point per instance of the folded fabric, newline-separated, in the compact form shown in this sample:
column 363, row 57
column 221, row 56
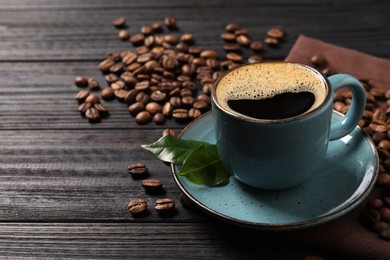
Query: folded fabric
column 345, row 236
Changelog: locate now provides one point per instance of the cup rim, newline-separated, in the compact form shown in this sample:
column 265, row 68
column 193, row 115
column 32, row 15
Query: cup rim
column 245, row 118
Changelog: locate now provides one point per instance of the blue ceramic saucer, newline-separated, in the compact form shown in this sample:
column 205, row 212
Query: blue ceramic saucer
column 343, row 181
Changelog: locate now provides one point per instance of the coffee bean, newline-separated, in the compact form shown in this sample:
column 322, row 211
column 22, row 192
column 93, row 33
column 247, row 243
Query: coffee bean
column 165, row 205
column 255, row 59
column 124, row 35
column 256, row 46
column 276, row 32
column 156, row 27
column 209, row 54
column 228, row 36
column 385, row 234
column 105, row 65
column 136, row 108
column 142, row 97
column 137, row 206
column 169, row 62
column 93, row 84
column 129, row 58
column 83, row 107
column 159, row 118
column 232, row 47
column 119, row 22
column 107, row 94
column 243, row 40
column 103, row 111
column 81, row 81
column 158, row 96
column 195, row 50
column 271, row 41
column 232, row 27
column 234, row 57
column 152, row 186
column 153, row 108
column 375, row 203
column 111, row 78
column 169, row 132
column 143, row 117
column 180, row 114
column 92, row 114
column 147, row 30
column 92, row 98
column 194, row 113
column 170, row 22
column 138, row 169
column 318, row 60
column 370, row 216
column 117, row 68
column 120, row 94
column 137, row 39
column 82, row 95
column 142, row 86
column 187, row 38
column 379, row 226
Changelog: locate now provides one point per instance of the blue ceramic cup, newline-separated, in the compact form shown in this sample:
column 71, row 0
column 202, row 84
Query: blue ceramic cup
column 279, row 141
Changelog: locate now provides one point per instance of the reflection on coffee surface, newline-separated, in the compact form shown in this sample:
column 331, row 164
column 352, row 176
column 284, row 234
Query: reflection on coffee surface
column 271, row 90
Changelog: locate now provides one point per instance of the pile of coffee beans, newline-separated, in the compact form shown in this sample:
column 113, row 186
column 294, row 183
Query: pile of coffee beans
column 166, row 74
column 376, row 123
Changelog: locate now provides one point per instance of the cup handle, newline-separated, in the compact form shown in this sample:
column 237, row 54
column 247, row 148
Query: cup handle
column 355, row 111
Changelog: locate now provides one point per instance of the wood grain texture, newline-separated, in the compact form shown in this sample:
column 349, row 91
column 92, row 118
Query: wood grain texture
column 64, row 182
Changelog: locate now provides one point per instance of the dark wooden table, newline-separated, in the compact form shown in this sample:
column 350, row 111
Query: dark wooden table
column 64, row 186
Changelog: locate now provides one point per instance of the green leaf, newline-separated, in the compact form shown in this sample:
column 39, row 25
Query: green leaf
column 203, row 166
column 172, row 149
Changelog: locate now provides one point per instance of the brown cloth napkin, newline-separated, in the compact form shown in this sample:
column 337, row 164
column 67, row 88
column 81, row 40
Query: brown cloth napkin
column 344, row 236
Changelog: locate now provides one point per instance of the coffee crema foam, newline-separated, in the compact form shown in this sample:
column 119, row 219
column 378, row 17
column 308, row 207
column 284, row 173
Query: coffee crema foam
column 265, row 80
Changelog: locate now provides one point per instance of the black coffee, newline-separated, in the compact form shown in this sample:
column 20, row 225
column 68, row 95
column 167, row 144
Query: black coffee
column 280, row 106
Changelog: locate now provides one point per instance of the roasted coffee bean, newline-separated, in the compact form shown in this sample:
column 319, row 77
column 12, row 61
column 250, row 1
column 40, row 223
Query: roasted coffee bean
column 156, row 27
column 117, row 85
column 82, row 95
column 142, row 86
column 375, row 203
column 93, row 84
column 196, row 50
column 136, row 108
column 120, row 94
column 169, row 132
column 385, row 213
column 209, row 54
column 153, row 108
column 256, row 46
column 235, row 47
column 117, row 68
column 137, row 39
column 92, row 114
column 228, row 36
column 128, row 78
column 130, row 97
column 383, row 179
column 137, row 206
column 92, row 98
column 180, row 114
column 379, row 226
column 164, row 205
column 142, row 97
column 113, row 55
column 103, row 111
column 107, row 94
column 138, row 169
column 129, row 58
column 385, row 234
column 143, row 117
column 370, row 216
column 194, row 113
column 158, row 96
column 234, row 57
column 119, row 22
column 318, row 60
column 146, row 30
column 124, row 35
column 271, row 41
column 167, row 109
column 187, row 101
column 152, row 186
column 84, row 107
column 111, row 78
column 384, row 144
column 105, row 65
column 276, row 32
column 170, row 22
column 159, row 118
column 255, row 59
column 81, row 81
column 232, row 27
column 241, row 32
column 169, row 62
column 187, row 38
column 243, row 40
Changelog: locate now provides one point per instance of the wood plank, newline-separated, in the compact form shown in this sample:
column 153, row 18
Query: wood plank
column 143, row 241
column 88, row 34
column 78, row 175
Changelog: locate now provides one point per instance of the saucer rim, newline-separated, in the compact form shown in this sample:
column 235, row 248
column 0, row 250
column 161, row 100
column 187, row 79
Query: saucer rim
column 318, row 220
